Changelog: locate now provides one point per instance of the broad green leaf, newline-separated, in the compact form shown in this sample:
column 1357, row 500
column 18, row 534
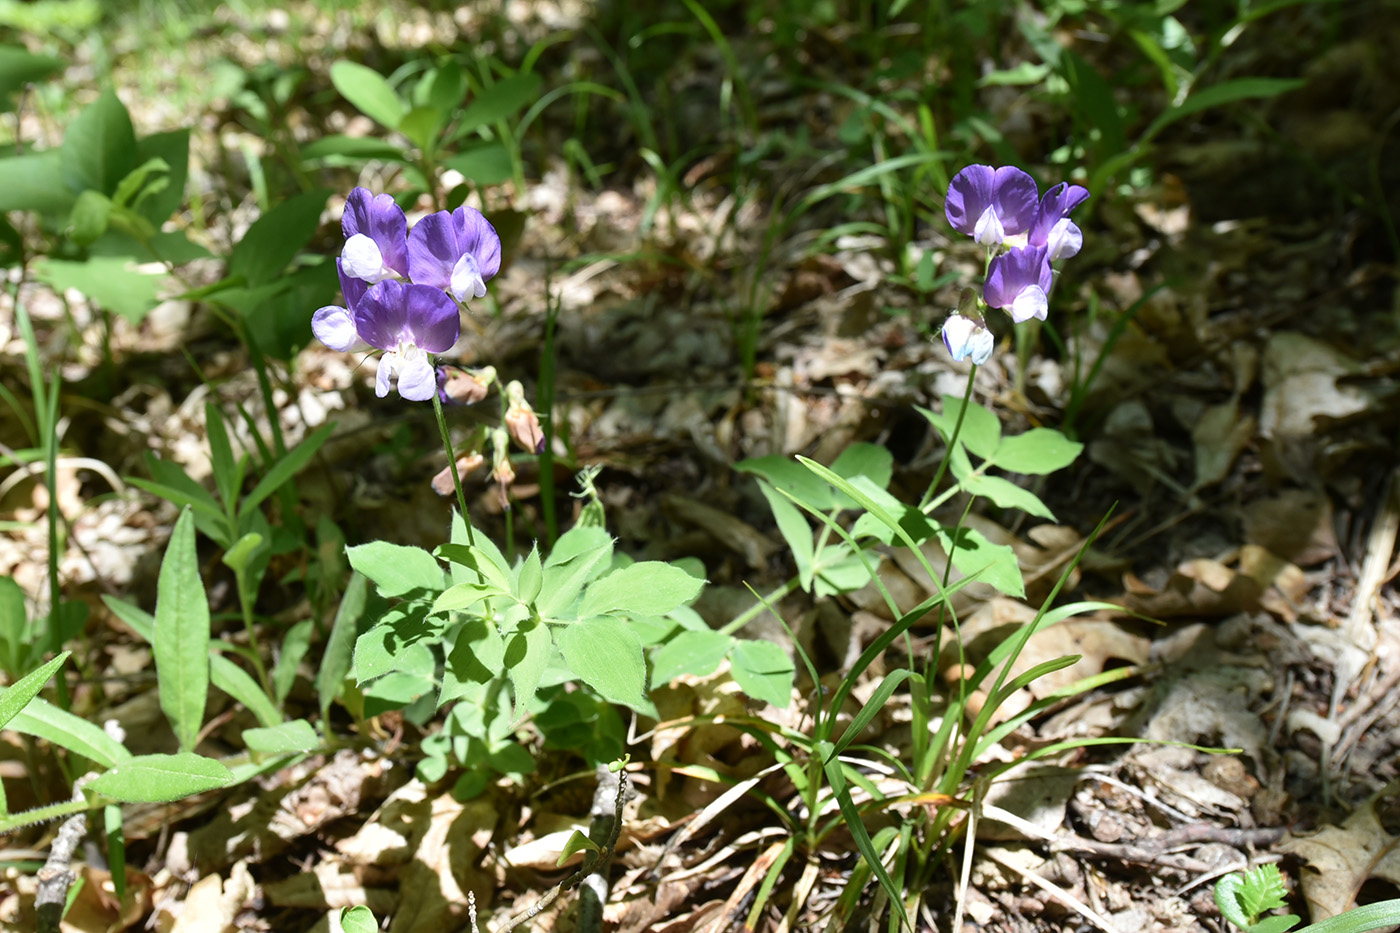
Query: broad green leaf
column 160, row 778
column 1005, row 494
column 868, row 460
column 648, row 588
column 576, row 843
column 764, row 671
column 564, row 581
column 358, row 919
column 1038, row 451
column 607, row 655
column 19, row 66
column 112, row 282
column 276, row 237
column 980, row 432
column 792, row 524
column 339, row 651
column 420, row 126
column 477, row 657
column 696, row 653
column 791, row 477
column 484, row 164
column 89, row 218
column 444, row 88
column 530, row 576
column 462, row 596
column 181, row 636
column 288, row 738
column 369, row 92
column 994, row 564
column 500, row 101
column 34, row 182
column 579, row 540
column 396, row 690
column 99, row 148
column 527, row 653
column 172, row 148
column 43, row 720
column 493, row 572
column 17, row 696
column 400, row 643
column 395, row 569
column 351, row 149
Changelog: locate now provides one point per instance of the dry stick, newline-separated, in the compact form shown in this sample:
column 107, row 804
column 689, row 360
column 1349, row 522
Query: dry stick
column 57, row 875
column 591, row 863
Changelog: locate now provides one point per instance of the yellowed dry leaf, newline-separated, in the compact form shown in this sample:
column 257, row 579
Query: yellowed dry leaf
column 1342, row 859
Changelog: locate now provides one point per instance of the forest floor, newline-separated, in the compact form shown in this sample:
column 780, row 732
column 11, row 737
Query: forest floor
column 1240, row 434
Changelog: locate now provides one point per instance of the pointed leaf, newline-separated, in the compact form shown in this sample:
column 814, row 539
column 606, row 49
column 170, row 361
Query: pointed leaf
column 160, row 778
column 17, row 696
column 181, row 636
column 607, row 655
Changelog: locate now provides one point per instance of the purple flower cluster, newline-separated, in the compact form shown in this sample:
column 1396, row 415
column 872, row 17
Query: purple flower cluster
column 402, row 289
column 1001, row 208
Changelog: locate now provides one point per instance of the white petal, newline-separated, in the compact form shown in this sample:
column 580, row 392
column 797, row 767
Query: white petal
column 1031, row 303
column 417, row 378
column 957, row 334
column 982, row 345
column 387, row 364
column 335, row 327
column 467, row 280
column 1065, row 240
column 989, row 230
column 362, row 259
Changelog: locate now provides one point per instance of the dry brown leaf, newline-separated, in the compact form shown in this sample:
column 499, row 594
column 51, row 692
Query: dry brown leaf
column 95, row 909
column 445, row 867
column 1219, row 435
column 1200, row 587
column 1343, row 858
column 1296, row 524
column 211, row 904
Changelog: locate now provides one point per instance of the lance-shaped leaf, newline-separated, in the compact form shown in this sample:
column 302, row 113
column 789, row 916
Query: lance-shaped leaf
column 181, row 642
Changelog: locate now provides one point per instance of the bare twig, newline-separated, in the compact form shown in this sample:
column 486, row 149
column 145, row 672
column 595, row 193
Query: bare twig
column 57, row 874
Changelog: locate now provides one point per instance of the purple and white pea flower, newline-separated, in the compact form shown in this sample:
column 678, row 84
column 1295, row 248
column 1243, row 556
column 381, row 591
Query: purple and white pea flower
column 1052, row 227
column 991, row 204
column 968, row 337
column 1019, row 281
column 407, row 322
column 457, row 251
column 376, row 237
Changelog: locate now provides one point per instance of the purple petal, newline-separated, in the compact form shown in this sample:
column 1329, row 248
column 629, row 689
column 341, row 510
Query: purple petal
column 381, row 316
column 1013, row 272
column 1054, row 207
column 335, row 327
column 383, row 221
column 1009, row 193
column 352, row 288
column 969, row 195
column 432, row 250
column 433, row 321
column 476, row 237
column 1016, row 199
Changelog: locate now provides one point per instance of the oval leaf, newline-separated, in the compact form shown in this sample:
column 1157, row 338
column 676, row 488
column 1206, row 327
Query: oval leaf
column 369, row 92
column 161, row 778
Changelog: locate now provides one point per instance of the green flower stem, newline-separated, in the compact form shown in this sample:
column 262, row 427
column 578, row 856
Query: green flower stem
column 245, row 605
column 452, row 465
column 957, row 429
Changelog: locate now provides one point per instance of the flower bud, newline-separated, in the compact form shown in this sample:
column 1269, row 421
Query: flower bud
column 457, row 386
column 442, row 483
column 521, row 420
column 501, row 469
column 966, row 336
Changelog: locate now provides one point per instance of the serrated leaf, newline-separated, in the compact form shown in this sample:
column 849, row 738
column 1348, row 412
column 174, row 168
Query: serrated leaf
column 367, row 90
column 288, row 738
column 17, row 696
column 160, row 778
column 648, row 588
column 181, row 635
column 396, row 569
column 764, row 671
column 607, row 655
